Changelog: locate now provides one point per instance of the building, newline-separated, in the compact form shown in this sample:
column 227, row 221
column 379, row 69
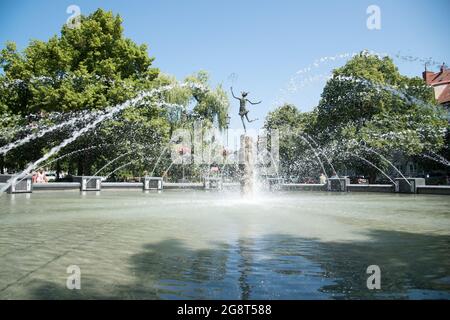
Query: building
column 440, row 81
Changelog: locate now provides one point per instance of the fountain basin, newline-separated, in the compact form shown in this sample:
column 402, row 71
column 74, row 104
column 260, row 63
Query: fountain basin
column 380, row 188
column 89, row 183
column 304, row 187
column 122, row 185
column 387, row 188
column 275, row 183
column 409, row 185
column 24, row 184
column 152, row 183
column 54, row 186
column 338, row 184
column 442, row 190
column 184, row 244
column 212, row 183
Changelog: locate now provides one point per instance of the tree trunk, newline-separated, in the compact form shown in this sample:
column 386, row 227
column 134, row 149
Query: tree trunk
column 80, row 166
column 2, row 164
column 58, row 170
column 87, row 164
column 71, row 169
column 87, row 169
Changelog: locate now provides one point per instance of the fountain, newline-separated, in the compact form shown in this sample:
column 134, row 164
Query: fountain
column 295, row 226
column 259, row 220
column 99, row 118
column 280, row 232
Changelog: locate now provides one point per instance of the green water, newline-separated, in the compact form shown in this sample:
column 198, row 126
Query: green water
column 199, row 245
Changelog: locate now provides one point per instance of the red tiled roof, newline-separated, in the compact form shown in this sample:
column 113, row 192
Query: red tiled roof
column 438, row 77
column 441, row 78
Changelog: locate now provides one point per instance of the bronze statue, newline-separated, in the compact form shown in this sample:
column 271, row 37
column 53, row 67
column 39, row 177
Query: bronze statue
column 242, row 108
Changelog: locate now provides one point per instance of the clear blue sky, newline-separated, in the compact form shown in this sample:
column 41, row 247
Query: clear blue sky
column 256, row 45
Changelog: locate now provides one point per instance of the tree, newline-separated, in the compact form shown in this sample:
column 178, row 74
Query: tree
column 211, row 105
column 86, row 68
column 367, row 107
column 296, row 156
column 81, row 72
column 89, row 67
column 208, row 107
column 368, row 101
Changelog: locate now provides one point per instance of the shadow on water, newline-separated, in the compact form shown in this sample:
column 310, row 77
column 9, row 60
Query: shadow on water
column 413, row 266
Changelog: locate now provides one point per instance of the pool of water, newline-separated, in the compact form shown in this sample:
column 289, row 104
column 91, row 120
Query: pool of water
column 208, row 245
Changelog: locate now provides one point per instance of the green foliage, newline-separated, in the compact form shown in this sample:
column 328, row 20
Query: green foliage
column 367, row 101
column 291, row 124
column 88, row 69
column 210, row 105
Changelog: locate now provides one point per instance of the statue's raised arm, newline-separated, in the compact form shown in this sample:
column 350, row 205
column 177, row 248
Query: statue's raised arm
column 232, row 93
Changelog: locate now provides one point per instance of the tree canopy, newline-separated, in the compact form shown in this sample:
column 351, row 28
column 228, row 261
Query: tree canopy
column 80, row 73
column 89, row 67
column 368, row 105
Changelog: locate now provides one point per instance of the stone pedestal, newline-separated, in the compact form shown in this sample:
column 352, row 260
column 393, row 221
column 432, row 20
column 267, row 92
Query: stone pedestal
column 275, row 183
column 210, row 183
column 338, row 184
column 89, row 183
column 246, row 165
column 22, row 185
column 402, row 186
column 152, row 183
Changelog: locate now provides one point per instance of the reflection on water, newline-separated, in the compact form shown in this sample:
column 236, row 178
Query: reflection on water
column 198, row 245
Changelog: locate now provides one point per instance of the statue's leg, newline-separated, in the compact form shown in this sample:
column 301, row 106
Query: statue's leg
column 246, row 115
column 243, row 123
